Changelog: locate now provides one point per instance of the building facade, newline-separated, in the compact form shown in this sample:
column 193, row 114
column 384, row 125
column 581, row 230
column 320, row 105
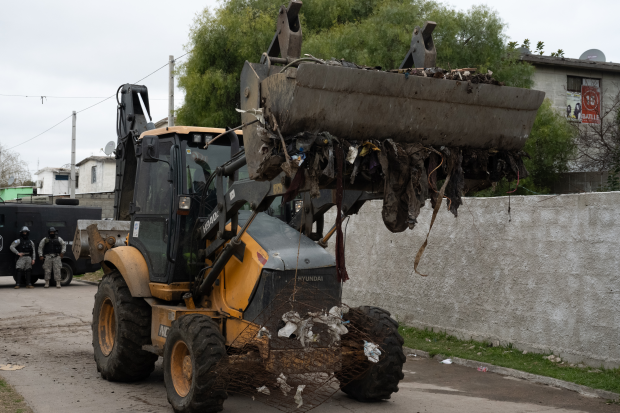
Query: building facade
column 11, row 193
column 53, row 181
column 97, row 174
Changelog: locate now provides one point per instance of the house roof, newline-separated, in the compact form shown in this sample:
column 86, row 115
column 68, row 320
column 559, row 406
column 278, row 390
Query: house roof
column 538, row 60
column 97, row 159
column 52, row 169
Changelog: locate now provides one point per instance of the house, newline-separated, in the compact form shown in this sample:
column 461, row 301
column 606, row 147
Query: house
column 98, row 174
column 53, row 181
column 580, row 89
column 11, row 193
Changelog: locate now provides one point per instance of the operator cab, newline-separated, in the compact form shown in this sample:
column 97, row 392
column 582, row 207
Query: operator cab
column 185, row 172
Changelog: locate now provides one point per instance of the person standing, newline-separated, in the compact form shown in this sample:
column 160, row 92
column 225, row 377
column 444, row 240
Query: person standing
column 24, row 248
column 52, row 249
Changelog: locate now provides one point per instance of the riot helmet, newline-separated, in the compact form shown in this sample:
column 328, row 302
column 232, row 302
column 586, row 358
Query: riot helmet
column 52, row 232
column 24, row 232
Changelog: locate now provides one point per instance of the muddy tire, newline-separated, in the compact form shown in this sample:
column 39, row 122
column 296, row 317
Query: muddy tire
column 381, row 379
column 121, row 326
column 193, row 347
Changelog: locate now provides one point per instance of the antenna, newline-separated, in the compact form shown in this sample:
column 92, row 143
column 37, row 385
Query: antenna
column 593, row 55
column 109, row 148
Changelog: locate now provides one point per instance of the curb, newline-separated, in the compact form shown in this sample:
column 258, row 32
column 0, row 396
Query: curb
column 534, row 378
column 86, row 282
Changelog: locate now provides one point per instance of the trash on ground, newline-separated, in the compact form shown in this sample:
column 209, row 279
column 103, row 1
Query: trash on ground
column 371, row 350
column 446, row 361
column 297, row 397
column 483, row 369
column 264, row 390
column 10, row 367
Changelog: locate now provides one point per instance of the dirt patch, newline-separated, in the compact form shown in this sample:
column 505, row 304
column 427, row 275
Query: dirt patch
column 11, row 401
column 91, row 276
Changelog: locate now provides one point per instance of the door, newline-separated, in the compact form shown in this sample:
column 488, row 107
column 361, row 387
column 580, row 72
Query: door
column 151, row 217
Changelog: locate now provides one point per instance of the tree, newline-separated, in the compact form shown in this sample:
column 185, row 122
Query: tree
column 598, row 145
column 367, row 32
column 12, row 166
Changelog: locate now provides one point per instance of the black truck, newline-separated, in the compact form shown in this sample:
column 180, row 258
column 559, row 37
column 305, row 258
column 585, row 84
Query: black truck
column 38, row 218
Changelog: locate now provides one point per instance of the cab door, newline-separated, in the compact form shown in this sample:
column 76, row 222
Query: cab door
column 150, row 222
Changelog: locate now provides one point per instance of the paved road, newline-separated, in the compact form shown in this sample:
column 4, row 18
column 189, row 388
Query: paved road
column 48, row 331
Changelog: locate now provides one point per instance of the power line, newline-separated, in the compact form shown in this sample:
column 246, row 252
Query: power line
column 64, row 97
column 92, row 106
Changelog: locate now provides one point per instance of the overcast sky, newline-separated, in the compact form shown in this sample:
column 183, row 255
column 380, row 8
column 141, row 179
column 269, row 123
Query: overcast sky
column 84, row 48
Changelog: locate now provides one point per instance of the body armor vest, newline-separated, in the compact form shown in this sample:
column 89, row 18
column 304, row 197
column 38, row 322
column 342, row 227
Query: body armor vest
column 25, row 247
column 52, row 246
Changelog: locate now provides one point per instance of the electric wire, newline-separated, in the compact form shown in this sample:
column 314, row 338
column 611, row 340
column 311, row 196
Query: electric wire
column 92, row 106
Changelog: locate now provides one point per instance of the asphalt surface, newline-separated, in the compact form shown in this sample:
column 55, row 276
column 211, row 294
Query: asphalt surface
column 48, row 331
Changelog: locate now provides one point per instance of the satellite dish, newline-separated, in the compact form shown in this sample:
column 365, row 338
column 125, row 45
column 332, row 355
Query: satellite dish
column 11, row 180
column 593, row 55
column 109, row 148
column 524, row 50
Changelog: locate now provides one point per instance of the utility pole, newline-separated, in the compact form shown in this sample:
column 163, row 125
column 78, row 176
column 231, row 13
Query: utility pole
column 171, row 91
column 72, row 183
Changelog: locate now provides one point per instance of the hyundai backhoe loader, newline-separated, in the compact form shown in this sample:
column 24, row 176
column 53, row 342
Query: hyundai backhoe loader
column 217, row 261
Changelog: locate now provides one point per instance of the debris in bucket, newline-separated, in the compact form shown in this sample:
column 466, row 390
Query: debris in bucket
column 483, row 369
column 408, row 173
column 446, row 361
column 371, row 350
column 10, row 367
column 297, row 397
column 264, row 390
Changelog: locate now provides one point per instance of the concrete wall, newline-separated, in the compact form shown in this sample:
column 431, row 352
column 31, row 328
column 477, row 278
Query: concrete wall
column 544, row 277
column 553, row 81
column 103, row 200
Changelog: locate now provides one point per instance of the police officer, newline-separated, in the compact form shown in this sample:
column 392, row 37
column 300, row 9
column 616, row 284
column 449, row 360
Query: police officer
column 24, row 248
column 52, row 249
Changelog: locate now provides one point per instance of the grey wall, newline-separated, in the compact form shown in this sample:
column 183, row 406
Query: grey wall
column 544, row 277
column 104, row 200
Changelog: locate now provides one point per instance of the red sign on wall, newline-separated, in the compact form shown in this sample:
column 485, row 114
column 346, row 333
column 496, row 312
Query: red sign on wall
column 591, row 104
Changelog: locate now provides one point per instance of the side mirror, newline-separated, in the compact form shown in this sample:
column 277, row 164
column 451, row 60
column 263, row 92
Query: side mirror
column 150, row 145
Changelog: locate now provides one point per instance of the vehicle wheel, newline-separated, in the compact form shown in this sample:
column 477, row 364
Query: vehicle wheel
column 193, row 347
column 66, row 274
column 121, row 326
column 381, row 379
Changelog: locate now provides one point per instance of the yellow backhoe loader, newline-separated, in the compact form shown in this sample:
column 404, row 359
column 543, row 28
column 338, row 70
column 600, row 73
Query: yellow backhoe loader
column 216, row 259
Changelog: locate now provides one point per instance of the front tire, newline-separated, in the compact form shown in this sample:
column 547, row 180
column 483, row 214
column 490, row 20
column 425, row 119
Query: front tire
column 381, row 379
column 121, row 326
column 193, row 348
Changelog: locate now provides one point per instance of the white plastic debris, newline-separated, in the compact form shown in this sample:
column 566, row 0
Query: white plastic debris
column 264, row 390
column 371, row 350
column 466, row 73
column 281, row 382
column 10, row 367
column 292, row 320
column 352, row 154
column 297, row 397
column 263, row 332
column 446, row 361
column 257, row 113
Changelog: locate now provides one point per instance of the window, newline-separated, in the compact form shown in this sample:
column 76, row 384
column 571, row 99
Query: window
column 93, row 175
column 56, row 224
column 62, row 177
column 77, row 181
column 1, row 220
column 574, row 83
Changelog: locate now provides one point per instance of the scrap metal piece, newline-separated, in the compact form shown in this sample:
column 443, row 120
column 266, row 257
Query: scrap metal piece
column 422, row 53
column 106, row 234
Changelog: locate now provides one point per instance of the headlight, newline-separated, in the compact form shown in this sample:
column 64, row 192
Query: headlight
column 184, row 204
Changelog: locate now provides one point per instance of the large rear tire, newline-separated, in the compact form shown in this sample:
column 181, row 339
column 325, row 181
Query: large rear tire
column 193, row 348
column 121, row 326
column 381, row 379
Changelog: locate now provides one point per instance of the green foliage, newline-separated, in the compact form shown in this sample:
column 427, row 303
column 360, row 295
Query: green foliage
column 613, row 181
column 367, row 32
column 550, row 146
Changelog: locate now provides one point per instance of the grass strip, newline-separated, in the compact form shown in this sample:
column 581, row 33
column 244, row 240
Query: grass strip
column 507, row 356
column 11, row 401
column 91, row 276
